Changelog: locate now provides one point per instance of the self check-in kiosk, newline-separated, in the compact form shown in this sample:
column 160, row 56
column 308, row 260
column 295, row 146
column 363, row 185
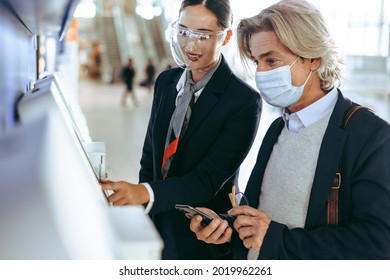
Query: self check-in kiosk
column 52, row 205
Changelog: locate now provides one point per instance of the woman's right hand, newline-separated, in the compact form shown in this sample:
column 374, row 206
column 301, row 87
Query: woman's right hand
column 217, row 232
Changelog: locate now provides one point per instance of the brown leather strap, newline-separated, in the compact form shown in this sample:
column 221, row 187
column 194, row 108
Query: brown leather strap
column 349, row 114
column 333, row 198
column 333, row 202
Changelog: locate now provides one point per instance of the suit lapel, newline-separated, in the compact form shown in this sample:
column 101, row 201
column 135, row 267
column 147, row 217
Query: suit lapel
column 207, row 100
column 163, row 117
column 329, row 157
column 252, row 191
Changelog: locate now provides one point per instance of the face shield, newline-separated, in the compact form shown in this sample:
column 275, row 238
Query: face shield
column 184, row 40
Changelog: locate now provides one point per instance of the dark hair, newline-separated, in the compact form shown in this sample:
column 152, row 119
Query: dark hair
column 220, row 8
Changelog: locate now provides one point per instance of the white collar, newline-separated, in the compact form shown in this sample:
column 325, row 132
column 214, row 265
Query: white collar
column 310, row 114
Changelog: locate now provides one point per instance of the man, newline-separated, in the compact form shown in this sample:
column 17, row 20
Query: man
column 293, row 211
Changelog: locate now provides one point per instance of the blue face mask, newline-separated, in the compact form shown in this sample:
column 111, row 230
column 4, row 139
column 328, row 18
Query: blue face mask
column 276, row 86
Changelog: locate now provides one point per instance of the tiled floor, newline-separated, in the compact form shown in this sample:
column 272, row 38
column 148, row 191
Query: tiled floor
column 123, row 128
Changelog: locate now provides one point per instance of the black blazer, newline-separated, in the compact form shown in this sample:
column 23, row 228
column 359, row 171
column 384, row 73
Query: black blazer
column 362, row 150
column 221, row 130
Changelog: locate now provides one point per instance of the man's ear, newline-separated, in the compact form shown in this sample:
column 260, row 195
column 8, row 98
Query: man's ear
column 229, row 35
column 315, row 63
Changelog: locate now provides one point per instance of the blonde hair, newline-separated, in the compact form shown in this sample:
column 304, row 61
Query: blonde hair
column 302, row 29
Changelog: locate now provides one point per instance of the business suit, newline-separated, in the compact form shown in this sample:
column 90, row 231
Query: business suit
column 363, row 151
column 221, row 130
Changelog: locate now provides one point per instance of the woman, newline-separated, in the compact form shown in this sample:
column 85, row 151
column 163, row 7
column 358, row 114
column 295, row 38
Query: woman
column 203, row 122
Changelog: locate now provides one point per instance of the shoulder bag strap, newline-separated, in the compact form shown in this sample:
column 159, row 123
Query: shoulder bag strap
column 333, row 198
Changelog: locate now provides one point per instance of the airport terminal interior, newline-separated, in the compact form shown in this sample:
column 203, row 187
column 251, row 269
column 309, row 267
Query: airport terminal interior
column 64, row 122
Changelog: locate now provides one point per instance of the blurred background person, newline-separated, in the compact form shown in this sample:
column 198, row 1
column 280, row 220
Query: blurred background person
column 150, row 72
column 128, row 74
column 95, row 67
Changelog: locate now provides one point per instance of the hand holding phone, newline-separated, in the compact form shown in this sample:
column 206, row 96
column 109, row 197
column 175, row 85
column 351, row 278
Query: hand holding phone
column 206, row 219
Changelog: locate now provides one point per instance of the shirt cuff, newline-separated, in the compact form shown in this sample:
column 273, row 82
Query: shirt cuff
column 151, row 197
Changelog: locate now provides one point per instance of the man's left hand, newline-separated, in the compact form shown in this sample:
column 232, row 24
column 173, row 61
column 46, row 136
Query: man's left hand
column 251, row 225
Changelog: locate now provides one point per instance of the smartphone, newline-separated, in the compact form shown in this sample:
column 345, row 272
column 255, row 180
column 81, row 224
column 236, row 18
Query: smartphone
column 206, row 219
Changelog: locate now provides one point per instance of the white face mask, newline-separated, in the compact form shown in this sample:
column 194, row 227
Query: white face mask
column 276, row 86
